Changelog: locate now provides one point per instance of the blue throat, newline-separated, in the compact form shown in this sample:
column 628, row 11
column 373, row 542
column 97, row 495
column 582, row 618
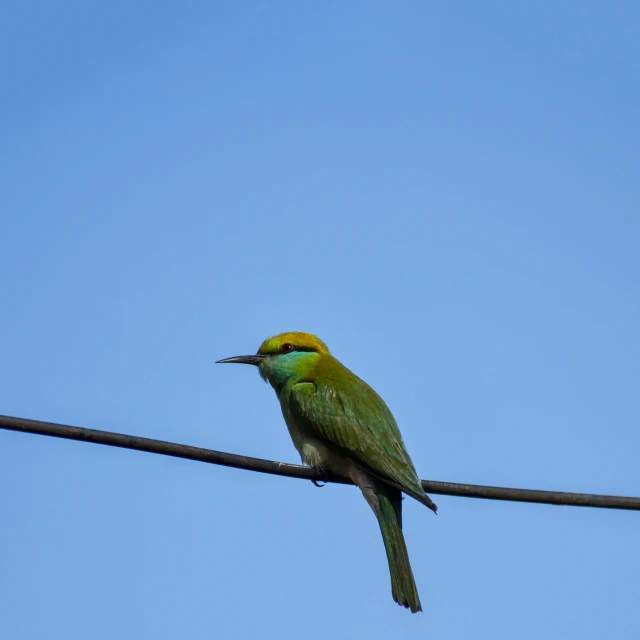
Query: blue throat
column 288, row 368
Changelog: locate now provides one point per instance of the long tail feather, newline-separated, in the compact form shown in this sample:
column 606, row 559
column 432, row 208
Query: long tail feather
column 403, row 585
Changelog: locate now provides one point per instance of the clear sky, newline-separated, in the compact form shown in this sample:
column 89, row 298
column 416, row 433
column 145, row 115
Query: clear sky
column 447, row 193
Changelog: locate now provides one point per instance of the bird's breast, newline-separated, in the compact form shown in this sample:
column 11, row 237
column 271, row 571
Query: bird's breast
column 309, row 448
column 314, row 451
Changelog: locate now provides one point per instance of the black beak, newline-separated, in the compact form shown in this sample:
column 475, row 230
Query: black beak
column 256, row 360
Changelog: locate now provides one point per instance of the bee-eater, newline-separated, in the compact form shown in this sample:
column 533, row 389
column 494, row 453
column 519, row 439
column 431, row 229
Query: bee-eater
column 338, row 423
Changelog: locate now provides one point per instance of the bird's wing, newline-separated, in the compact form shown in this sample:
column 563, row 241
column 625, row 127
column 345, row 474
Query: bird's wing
column 351, row 416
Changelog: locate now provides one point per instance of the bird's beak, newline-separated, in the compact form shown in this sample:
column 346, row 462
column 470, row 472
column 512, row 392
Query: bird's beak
column 256, row 360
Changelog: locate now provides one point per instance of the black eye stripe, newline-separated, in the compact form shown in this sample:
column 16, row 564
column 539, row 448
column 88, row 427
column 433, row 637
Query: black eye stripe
column 295, row 347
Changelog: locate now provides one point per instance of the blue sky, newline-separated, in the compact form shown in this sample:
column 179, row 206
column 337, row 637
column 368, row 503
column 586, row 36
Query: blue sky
column 447, row 194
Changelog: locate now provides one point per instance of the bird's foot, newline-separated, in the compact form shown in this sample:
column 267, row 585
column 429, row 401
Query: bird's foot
column 321, row 477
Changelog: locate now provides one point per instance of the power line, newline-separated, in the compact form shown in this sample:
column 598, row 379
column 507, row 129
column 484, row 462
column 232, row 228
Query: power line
column 188, row 452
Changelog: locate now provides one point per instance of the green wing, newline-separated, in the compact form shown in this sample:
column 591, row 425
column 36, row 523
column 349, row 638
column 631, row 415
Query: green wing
column 342, row 409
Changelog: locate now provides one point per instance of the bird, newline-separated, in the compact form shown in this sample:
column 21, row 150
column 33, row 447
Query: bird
column 340, row 425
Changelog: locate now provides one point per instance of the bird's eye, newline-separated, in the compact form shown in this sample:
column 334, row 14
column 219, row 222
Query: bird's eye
column 286, row 348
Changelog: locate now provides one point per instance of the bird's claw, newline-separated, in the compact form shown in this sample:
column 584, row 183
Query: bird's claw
column 321, row 478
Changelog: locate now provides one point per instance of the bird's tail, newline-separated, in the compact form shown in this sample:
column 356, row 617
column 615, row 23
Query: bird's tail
column 403, row 586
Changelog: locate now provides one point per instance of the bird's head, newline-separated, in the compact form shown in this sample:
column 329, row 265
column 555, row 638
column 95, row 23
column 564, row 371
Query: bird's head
column 285, row 357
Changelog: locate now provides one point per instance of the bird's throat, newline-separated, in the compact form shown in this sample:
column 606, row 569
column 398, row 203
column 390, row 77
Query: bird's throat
column 289, row 368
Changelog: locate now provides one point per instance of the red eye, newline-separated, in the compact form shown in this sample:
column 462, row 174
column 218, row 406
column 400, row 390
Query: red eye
column 286, row 348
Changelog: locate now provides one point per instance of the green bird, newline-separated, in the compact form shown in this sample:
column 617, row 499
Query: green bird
column 338, row 423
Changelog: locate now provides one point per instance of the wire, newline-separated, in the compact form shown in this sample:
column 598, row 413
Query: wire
column 176, row 450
